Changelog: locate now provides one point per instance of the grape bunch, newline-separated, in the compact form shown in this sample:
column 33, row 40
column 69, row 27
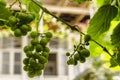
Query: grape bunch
column 19, row 23
column 80, row 52
column 37, row 53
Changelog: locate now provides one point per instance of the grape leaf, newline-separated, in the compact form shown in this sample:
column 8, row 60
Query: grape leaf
column 100, row 22
column 4, row 12
column 115, row 37
column 2, row 3
column 103, row 2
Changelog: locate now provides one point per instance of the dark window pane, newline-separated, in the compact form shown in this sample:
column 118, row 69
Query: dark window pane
column 51, row 67
column 17, row 63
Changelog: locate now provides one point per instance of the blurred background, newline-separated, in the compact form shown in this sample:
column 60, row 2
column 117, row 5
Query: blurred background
column 11, row 53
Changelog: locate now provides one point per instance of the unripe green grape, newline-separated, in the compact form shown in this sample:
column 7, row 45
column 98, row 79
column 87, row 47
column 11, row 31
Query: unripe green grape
column 82, row 59
column 77, row 56
column 39, row 48
column 25, row 28
column 32, row 61
column 48, row 34
column 85, row 52
column 25, row 68
column 46, row 49
column 45, row 54
column 36, row 55
column 42, row 60
column 30, row 17
column 26, row 61
column 34, row 41
column 38, row 73
column 33, row 34
column 30, row 74
column 43, row 41
column 21, row 16
column 87, row 38
column 71, row 61
column 28, row 48
column 68, row 54
column 39, row 66
column 29, row 54
column 12, row 20
column 17, row 33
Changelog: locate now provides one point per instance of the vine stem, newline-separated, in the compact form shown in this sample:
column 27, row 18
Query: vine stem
column 12, row 4
column 73, row 27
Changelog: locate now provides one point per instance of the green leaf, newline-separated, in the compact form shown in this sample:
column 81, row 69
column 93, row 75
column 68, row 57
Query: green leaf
column 2, row 3
column 115, row 37
column 100, row 22
column 103, row 2
column 4, row 13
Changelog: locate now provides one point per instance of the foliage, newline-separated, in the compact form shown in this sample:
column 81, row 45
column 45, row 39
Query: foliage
column 37, row 52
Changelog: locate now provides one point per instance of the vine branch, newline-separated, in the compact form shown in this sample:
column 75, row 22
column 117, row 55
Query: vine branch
column 73, row 27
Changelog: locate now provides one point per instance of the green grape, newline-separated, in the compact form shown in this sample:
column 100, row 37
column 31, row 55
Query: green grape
column 17, row 33
column 29, row 54
column 48, row 34
column 13, row 20
column 43, row 41
column 82, row 59
column 26, row 61
column 30, row 17
column 38, row 73
column 46, row 49
column 32, row 61
column 21, row 16
column 30, row 74
column 71, row 61
column 68, row 54
column 79, row 48
column 85, row 52
column 39, row 66
column 36, row 55
column 28, row 48
column 87, row 38
column 33, row 34
column 75, row 62
column 45, row 54
column 77, row 56
column 42, row 59
column 25, row 68
column 25, row 28
column 13, row 28
column 34, row 41
column 39, row 48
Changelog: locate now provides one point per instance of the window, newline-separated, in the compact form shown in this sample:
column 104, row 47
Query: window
column 51, row 67
column 7, row 42
column 5, row 63
column 17, row 63
column 54, row 43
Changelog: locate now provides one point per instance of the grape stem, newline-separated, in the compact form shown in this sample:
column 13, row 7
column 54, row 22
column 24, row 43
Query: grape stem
column 73, row 27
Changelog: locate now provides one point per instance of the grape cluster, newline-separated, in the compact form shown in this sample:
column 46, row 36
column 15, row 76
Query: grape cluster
column 19, row 23
column 37, row 54
column 80, row 52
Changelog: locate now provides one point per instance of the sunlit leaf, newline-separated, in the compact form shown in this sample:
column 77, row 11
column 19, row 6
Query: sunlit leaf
column 115, row 37
column 100, row 22
column 103, row 2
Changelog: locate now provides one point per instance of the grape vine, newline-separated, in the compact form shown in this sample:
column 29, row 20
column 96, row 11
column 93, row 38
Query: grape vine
column 37, row 52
